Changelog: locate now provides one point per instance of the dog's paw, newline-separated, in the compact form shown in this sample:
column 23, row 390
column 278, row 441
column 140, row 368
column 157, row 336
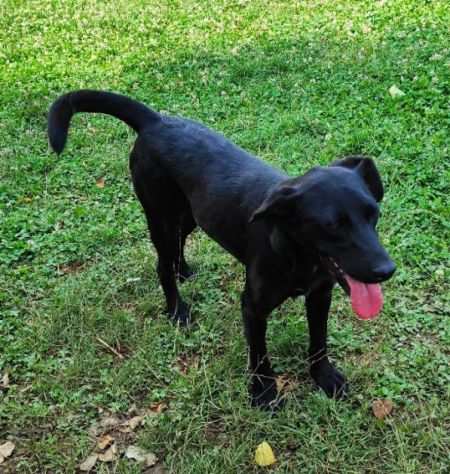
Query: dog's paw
column 330, row 380
column 182, row 315
column 264, row 393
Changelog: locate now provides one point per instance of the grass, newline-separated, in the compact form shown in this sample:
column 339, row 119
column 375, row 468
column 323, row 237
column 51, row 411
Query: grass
column 298, row 83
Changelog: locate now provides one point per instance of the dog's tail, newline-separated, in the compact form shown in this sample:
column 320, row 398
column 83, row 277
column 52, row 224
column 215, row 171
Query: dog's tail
column 133, row 113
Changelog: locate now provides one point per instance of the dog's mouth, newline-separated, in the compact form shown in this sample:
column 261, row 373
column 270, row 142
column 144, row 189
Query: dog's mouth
column 366, row 298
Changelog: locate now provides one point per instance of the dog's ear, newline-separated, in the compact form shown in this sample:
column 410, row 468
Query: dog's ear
column 367, row 170
column 278, row 203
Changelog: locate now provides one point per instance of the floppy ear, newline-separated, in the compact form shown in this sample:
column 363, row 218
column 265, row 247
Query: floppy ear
column 367, row 170
column 278, row 203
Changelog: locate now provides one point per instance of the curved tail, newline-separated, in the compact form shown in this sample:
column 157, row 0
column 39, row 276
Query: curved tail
column 133, row 113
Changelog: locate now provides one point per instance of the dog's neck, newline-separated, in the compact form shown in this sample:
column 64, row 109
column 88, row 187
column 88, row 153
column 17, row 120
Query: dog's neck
column 288, row 249
column 302, row 261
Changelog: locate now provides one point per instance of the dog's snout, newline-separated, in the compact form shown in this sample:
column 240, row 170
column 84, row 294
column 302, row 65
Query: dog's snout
column 384, row 271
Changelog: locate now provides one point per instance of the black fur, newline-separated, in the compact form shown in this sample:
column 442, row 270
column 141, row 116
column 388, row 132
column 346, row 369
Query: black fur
column 284, row 230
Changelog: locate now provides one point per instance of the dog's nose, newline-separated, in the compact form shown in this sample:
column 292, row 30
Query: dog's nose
column 384, row 271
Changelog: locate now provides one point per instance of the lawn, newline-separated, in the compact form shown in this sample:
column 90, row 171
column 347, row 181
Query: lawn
column 83, row 335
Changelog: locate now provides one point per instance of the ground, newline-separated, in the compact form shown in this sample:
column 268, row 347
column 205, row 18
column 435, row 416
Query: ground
column 82, row 329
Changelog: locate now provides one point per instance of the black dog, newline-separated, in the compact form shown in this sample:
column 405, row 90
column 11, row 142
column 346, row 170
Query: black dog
column 295, row 236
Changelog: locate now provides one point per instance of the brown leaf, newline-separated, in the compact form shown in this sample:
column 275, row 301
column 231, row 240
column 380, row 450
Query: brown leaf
column 6, row 449
column 88, row 463
column 134, row 422
column 131, row 424
column 186, row 362
column 104, row 442
column 158, row 407
column 109, row 455
column 382, row 408
column 213, row 430
column 286, row 384
column 158, row 469
column 100, row 183
column 109, row 422
column 94, row 430
column 71, row 267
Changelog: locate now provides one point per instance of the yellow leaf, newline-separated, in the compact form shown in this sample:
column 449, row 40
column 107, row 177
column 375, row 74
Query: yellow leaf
column 100, row 183
column 264, row 455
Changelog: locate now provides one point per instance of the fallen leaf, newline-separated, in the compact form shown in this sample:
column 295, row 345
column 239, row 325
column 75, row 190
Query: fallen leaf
column 6, row 449
column 88, row 463
column 106, row 424
column 285, row 384
column 185, row 362
column 100, row 183
column 71, row 267
column 382, row 408
column 264, row 455
column 132, row 424
column 158, row 407
column 109, row 455
column 213, row 430
column 5, row 381
column 104, row 442
column 158, row 469
column 140, row 455
column 395, row 91
column 94, row 430
column 109, row 422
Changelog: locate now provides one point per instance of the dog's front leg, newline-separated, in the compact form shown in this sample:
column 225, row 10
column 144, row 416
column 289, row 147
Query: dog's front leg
column 322, row 371
column 263, row 388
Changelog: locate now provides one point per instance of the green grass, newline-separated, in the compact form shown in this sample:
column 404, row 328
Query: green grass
column 296, row 82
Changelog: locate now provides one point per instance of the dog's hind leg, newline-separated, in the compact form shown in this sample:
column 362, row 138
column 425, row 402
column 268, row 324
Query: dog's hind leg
column 187, row 225
column 164, row 205
column 164, row 235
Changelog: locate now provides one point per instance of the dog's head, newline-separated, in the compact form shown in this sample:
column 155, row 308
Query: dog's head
column 335, row 210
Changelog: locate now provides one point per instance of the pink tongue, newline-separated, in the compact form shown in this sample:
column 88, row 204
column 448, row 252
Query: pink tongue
column 367, row 299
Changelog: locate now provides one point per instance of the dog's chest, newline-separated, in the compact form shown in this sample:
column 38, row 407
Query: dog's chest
column 305, row 280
